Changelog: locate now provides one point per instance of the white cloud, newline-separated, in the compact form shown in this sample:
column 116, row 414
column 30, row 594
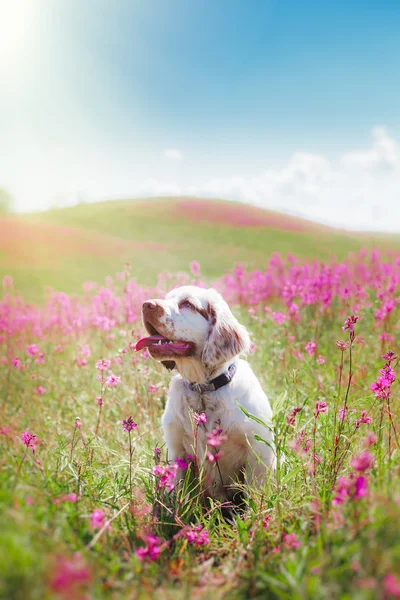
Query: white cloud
column 359, row 190
column 173, row 154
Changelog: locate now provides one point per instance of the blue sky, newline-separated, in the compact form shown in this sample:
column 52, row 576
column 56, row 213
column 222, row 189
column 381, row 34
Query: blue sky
column 289, row 105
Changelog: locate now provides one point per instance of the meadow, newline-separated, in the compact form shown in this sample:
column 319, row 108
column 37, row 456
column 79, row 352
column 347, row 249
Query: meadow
column 87, row 500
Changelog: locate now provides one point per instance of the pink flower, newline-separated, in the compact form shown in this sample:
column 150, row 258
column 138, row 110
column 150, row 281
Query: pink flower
column 341, row 345
column 30, row 440
column 350, row 322
column 8, row 282
column 291, row 541
column 320, row 407
column 151, row 550
column 70, row 577
column 181, row 463
column 389, row 356
column 216, row 438
column 103, row 364
column 195, row 268
column 112, row 380
column 32, row 350
column 213, row 457
column 291, row 417
column 350, row 488
column 321, row 360
column 364, row 418
column 78, row 423
column 153, row 388
column 279, row 318
column 166, row 476
column 391, row 586
column 129, row 424
column 40, row 359
column 363, row 462
column 266, row 521
column 40, row 390
column 310, row 348
column 195, row 534
column 16, row 362
column 99, row 400
column 97, row 519
column 200, row 418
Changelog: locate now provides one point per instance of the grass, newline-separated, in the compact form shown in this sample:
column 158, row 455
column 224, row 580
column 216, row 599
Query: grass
column 64, row 247
column 314, row 531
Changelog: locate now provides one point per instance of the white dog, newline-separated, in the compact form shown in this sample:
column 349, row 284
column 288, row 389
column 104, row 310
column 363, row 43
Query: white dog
column 194, row 331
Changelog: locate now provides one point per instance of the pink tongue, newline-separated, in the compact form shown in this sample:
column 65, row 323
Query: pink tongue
column 174, row 348
column 148, row 341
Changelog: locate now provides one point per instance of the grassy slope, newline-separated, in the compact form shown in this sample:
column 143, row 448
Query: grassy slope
column 65, row 247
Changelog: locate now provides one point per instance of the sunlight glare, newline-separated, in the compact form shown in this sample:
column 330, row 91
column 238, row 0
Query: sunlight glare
column 15, row 19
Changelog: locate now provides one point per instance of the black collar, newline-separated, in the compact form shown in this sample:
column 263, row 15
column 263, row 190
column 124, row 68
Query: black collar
column 214, row 384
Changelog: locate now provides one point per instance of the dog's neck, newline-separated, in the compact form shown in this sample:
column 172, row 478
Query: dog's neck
column 192, row 370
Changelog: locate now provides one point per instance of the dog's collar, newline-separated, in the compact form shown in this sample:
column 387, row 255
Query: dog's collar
column 214, row 384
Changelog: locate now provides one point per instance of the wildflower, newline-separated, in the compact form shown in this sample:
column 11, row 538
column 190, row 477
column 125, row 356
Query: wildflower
column 78, row 423
column 97, row 519
column 310, row 348
column 200, row 418
column 40, row 359
column 391, row 586
column 151, row 550
column 112, row 380
column 99, row 400
column 350, row 488
column 129, row 424
column 279, row 318
column 8, row 282
column 40, row 390
column 291, row 541
column 157, row 452
column 364, row 418
column 266, row 521
column 216, row 438
column 291, row 417
column 16, row 362
column 321, row 360
column 195, row 534
column 370, row 440
column 181, row 463
column 213, row 457
column 195, row 268
column 363, row 462
column 361, row 487
column 30, row 440
column 320, row 407
column 350, row 322
column 389, row 356
column 70, row 576
column 32, row 350
column 166, row 476
column 153, row 388
column 341, row 345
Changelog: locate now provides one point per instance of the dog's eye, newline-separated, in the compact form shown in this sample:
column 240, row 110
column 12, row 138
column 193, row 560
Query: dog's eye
column 186, row 304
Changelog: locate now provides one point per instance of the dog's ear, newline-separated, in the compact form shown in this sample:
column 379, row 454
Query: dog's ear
column 169, row 364
column 226, row 338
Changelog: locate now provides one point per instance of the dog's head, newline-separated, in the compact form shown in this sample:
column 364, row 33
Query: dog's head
column 194, row 330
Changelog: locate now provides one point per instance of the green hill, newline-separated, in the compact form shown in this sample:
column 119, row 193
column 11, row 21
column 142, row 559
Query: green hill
column 64, row 247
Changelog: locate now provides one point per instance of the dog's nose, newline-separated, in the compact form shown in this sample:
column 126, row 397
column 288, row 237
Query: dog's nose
column 149, row 305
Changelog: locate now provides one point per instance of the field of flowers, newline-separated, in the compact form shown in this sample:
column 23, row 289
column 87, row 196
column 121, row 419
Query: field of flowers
column 87, row 502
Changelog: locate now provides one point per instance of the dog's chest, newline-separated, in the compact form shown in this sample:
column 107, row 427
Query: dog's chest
column 209, row 405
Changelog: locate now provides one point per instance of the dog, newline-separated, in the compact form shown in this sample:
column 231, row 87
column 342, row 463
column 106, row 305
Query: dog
column 194, row 331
